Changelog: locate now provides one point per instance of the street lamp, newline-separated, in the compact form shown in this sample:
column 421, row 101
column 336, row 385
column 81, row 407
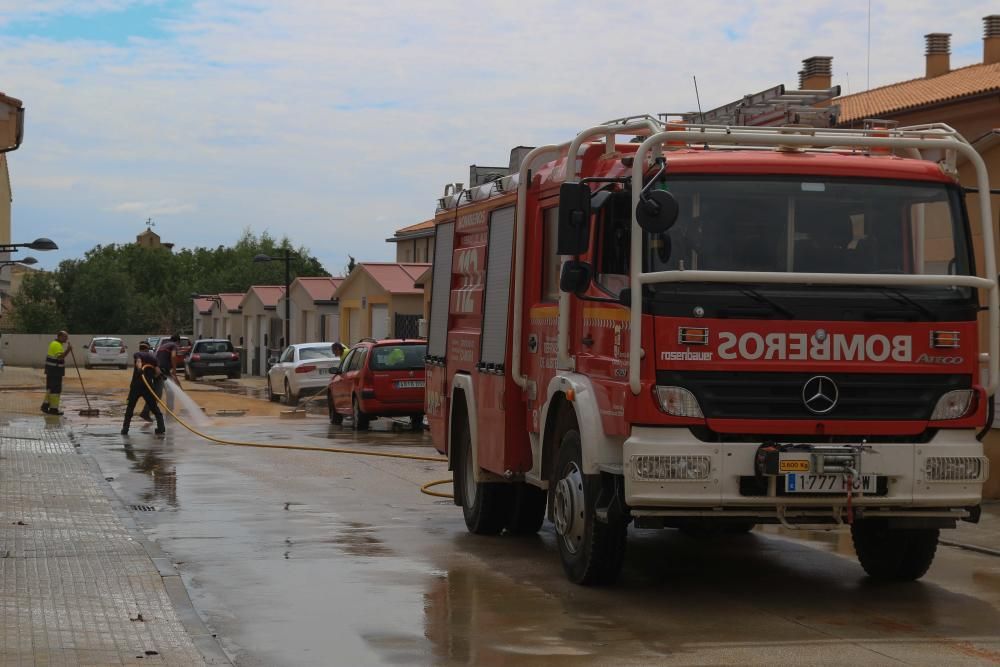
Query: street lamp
column 27, row 261
column 37, row 244
column 287, row 258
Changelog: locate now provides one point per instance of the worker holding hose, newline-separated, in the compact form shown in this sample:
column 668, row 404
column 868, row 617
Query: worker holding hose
column 55, row 369
column 143, row 376
column 166, row 359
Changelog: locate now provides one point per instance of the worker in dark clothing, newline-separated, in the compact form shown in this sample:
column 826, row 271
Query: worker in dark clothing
column 166, row 360
column 55, row 369
column 145, row 371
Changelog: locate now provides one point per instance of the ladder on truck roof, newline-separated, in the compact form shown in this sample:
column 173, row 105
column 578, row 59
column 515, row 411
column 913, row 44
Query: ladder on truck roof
column 769, row 108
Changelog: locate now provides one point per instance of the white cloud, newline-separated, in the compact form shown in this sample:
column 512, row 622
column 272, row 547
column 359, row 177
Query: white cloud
column 337, row 123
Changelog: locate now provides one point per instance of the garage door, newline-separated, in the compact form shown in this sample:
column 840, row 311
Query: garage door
column 380, row 321
column 354, row 326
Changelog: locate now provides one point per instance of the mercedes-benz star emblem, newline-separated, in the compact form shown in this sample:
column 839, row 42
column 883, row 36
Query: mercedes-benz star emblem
column 820, row 394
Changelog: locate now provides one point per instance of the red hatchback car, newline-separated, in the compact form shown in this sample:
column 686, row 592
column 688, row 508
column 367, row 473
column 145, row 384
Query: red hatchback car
column 379, row 379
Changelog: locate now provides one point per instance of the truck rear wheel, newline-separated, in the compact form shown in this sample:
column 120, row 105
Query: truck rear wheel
column 592, row 552
column 484, row 504
column 893, row 554
column 527, row 509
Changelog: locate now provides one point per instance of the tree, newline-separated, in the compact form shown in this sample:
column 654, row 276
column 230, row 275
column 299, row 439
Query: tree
column 132, row 289
column 35, row 307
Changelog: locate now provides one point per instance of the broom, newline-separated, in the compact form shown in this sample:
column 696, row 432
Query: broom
column 88, row 411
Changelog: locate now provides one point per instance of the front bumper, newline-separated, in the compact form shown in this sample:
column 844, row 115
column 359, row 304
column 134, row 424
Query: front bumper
column 907, row 489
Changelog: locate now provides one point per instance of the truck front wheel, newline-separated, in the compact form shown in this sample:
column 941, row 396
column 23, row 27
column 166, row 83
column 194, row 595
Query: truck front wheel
column 484, row 504
column 903, row 554
column 592, row 552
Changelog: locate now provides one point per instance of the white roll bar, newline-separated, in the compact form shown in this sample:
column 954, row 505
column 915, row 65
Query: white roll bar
column 937, row 137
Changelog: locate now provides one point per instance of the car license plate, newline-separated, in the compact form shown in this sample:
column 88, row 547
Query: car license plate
column 410, row 384
column 217, row 363
column 800, row 483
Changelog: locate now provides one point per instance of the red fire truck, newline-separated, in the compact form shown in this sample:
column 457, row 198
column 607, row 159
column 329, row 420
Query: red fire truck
column 708, row 328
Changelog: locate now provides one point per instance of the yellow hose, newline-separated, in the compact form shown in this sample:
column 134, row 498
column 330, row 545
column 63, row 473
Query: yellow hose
column 305, row 448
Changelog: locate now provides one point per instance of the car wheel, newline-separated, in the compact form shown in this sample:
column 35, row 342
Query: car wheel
column 122, row 366
column 360, row 418
column 592, row 551
column 290, row 398
column 417, row 422
column 187, row 375
column 234, row 376
column 335, row 417
column 270, row 392
column 87, row 366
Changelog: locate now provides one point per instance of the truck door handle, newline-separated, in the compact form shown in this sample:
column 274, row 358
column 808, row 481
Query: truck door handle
column 587, row 340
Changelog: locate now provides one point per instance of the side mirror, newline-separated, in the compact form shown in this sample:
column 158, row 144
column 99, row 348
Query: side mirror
column 574, row 219
column 335, row 370
column 575, row 276
column 657, row 212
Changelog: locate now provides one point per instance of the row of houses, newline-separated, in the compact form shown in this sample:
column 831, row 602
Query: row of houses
column 378, row 300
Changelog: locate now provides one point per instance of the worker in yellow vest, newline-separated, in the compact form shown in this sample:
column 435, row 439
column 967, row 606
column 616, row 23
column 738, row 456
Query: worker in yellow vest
column 55, row 369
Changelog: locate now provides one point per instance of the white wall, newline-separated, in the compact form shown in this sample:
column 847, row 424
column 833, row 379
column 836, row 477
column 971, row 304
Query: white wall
column 30, row 349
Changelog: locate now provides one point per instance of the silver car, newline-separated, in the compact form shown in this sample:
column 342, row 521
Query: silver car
column 106, row 351
column 301, row 369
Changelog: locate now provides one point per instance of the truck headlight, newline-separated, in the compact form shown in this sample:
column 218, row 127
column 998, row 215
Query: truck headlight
column 678, row 401
column 953, row 404
column 956, row 468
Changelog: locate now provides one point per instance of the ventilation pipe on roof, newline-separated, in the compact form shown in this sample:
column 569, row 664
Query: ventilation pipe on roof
column 817, row 73
column 938, row 54
column 991, row 39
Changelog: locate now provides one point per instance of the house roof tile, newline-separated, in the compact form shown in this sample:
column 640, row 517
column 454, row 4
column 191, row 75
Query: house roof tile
column 268, row 294
column 896, row 97
column 203, row 304
column 395, row 278
column 320, row 288
column 231, row 300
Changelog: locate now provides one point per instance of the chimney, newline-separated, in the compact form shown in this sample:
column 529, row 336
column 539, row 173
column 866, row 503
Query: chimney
column 938, row 54
column 816, row 73
column 991, row 39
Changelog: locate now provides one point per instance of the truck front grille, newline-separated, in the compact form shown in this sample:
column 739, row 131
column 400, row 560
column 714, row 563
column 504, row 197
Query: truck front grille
column 877, row 397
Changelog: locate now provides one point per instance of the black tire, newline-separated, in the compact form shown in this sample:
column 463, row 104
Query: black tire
column 270, row 393
column 87, row 366
column 187, row 375
column 360, row 418
column 417, row 422
column 591, row 552
column 234, row 376
column 893, row 554
column 485, row 505
column 527, row 509
column 335, row 417
column 122, row 366
column 290, row 398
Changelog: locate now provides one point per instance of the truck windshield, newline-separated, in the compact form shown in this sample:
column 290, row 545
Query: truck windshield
column 815, row 226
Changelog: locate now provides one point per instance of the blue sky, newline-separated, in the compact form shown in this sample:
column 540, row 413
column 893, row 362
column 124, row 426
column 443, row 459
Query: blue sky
column 336, row 123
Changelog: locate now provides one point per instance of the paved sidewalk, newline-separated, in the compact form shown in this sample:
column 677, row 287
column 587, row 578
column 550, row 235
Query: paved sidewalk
column 77, row 587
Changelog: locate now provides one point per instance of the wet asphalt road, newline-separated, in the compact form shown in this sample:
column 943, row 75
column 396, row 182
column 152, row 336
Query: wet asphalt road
column 299, row 558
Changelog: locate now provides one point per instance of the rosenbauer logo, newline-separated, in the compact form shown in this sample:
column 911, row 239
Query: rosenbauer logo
column 801, row 347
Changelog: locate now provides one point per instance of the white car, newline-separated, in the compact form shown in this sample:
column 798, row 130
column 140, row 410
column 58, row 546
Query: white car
column 302, row 368
column 106, row 351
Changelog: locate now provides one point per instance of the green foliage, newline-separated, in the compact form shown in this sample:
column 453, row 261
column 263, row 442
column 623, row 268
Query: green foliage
column 35, row 306
column 130, row 289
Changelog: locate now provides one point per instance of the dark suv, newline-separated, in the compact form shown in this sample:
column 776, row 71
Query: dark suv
column 212, row 356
